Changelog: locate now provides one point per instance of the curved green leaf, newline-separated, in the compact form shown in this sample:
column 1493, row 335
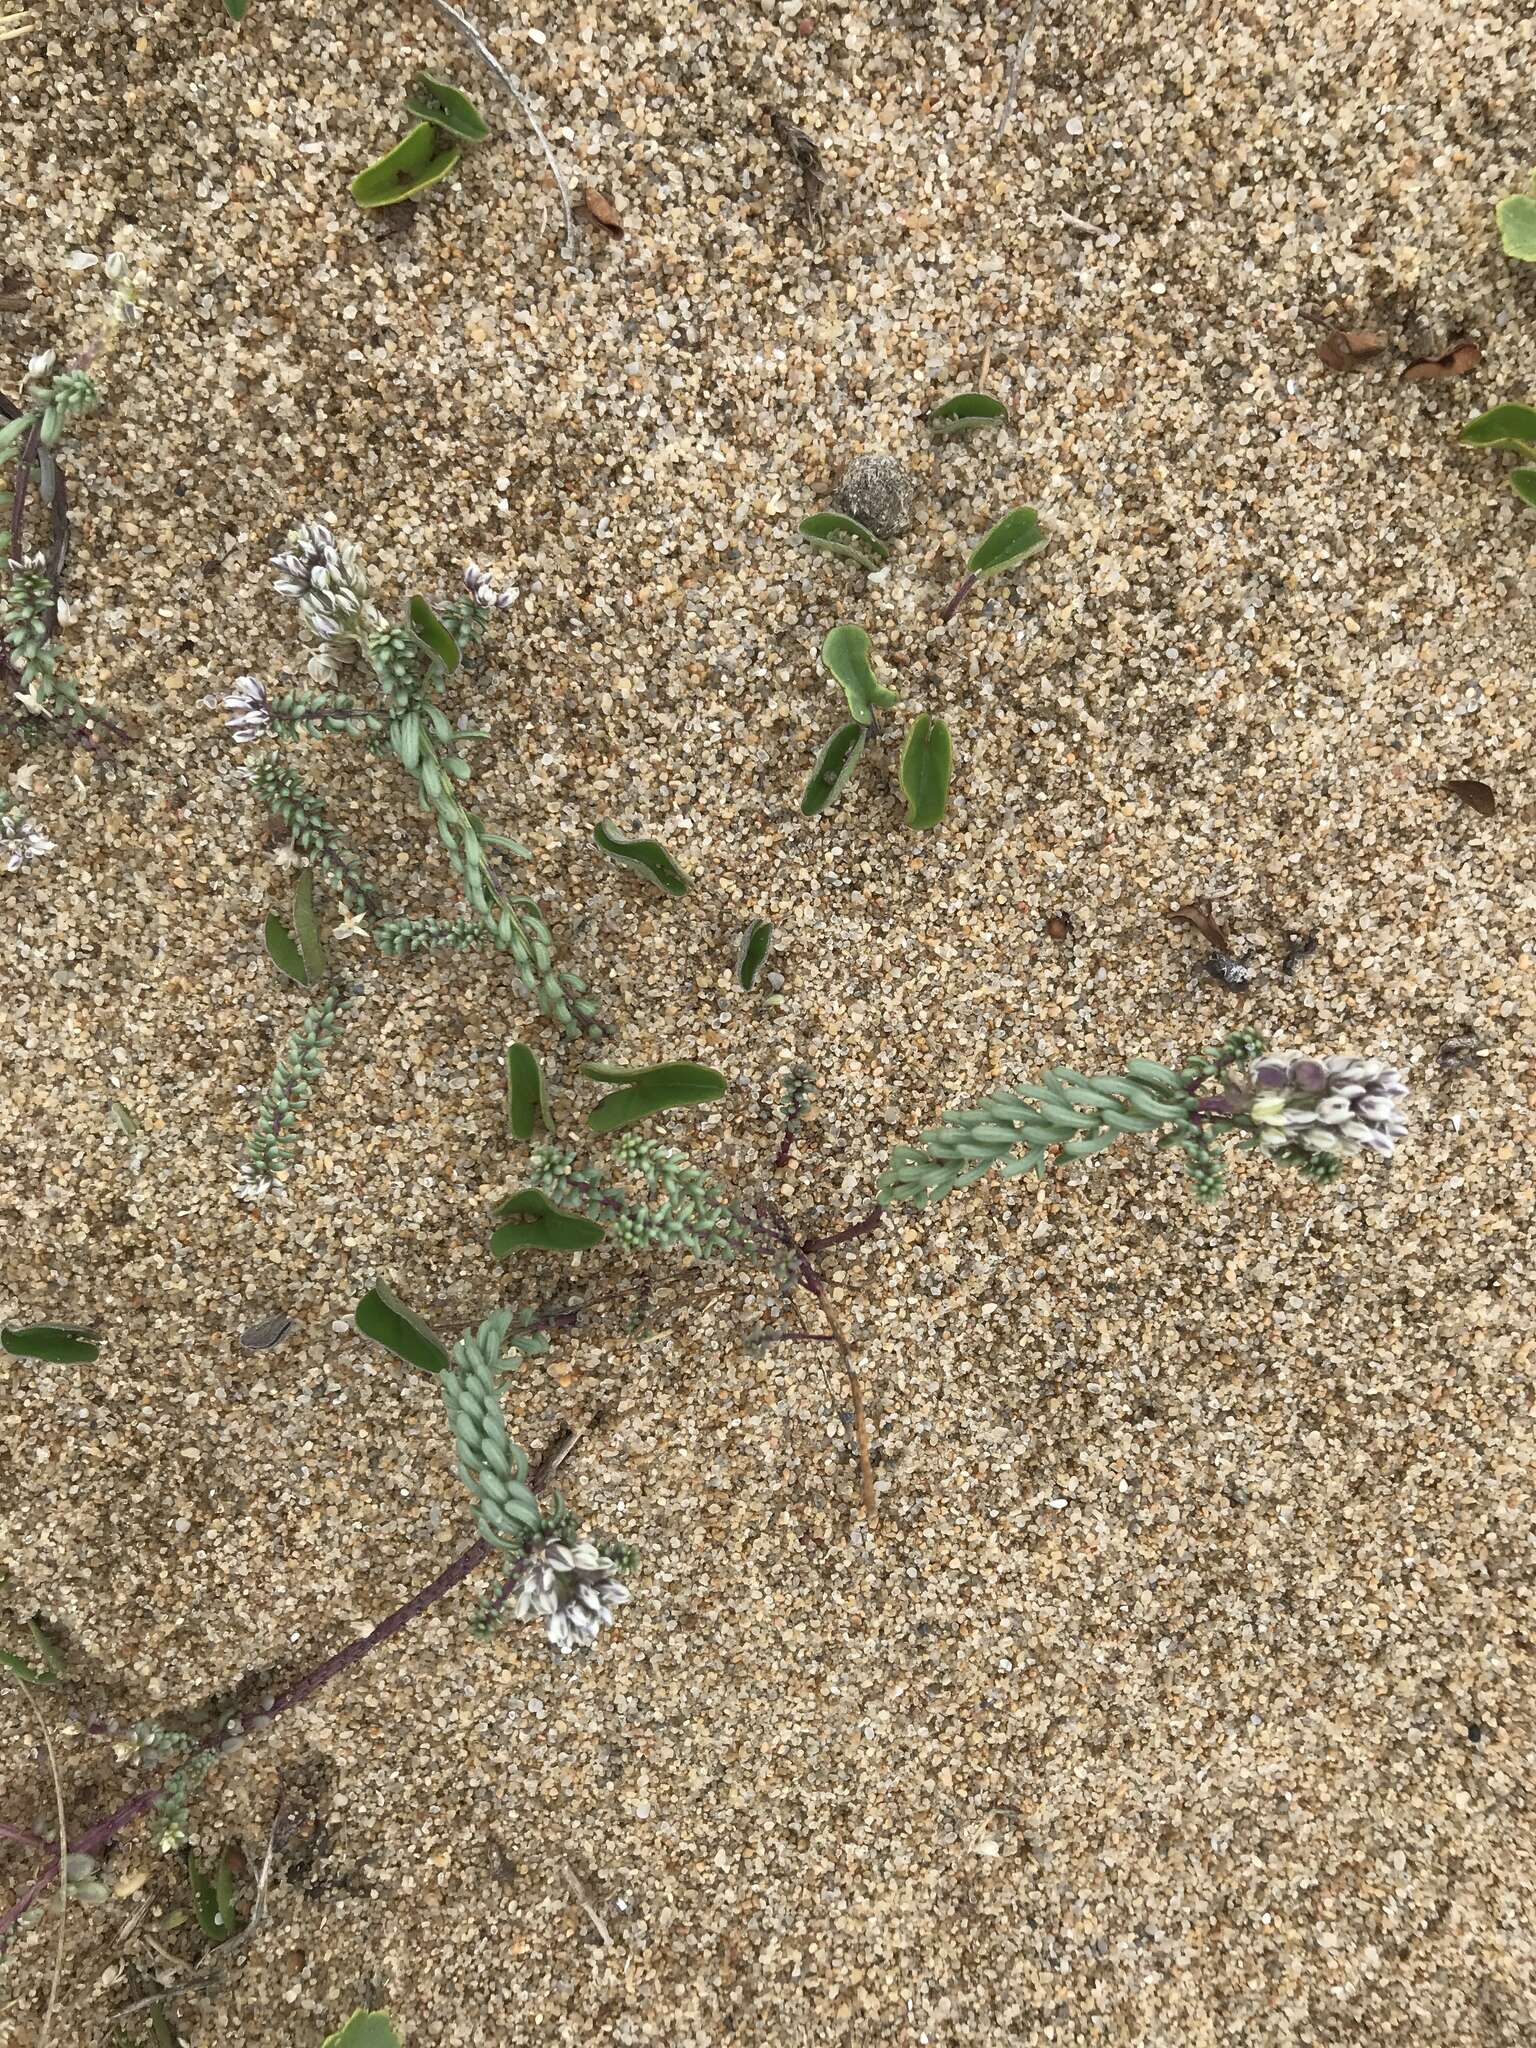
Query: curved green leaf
column 967, row 412
column 846, row 653
column 530, row 1221
column 365, row 2030
column 235, row 9
column 433, row 634
column 1016, row 536
column 834, row 764
column 753, row 951
column 52, row 1343
column 384, row 1317
column 283, row 952
column 434, row 99
column 1523, row 484
column 1516, row 217
column 527, row 1104
column 410, row 167
column 926, row 762
column 834, row 533
column 306, row 928
column 1504, row 426
column 647, row 857
column 675, row 1084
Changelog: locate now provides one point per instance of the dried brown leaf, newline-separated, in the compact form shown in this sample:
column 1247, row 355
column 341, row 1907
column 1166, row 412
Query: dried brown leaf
column 1350, row 348
column 1477, row 796
column 1198, row 915
column 1458, row 359
column 602, row 211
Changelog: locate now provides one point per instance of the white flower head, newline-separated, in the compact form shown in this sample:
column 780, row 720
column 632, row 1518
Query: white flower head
column 251, row 709
column 21, row 841
column 41, row 364
column 573, row 1589
column 484, row 591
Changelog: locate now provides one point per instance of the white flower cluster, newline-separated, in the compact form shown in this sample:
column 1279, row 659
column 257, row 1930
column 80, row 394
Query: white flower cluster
column 1341, row 1105
column 327, row 577
column 484, row 591
column 573, row 1589
column 20, row 841
column 251, row 709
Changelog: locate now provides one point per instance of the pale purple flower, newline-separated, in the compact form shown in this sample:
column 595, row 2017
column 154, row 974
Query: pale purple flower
column 21, row 841
column 484, row 591
column 327, row 577
column 252, row 719
column 1344, row 1104
column 573, row 1589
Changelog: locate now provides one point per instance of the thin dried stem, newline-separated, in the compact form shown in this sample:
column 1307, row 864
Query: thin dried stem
column 62, row 1856
column 813, row 1285
column 498, row 70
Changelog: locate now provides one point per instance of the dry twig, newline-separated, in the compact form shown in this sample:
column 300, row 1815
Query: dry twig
column 63, row 1851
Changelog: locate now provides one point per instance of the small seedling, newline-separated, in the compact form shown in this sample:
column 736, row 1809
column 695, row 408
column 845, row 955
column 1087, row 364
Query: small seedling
column 213, row 1900
column 1014, row 539
column 834, row 764
column 445, row 122
column 530, row 1221
column 969, row 412
column 834, row 533
column 365, row 2030
column 1508, row 426
column 926, row 763
column 527, row 1104
column 51, row 1343
column 846, row 652
column 1516, row 217
column 752, row 952
column 647, row 857
column 299, row 954
column 648, row 1091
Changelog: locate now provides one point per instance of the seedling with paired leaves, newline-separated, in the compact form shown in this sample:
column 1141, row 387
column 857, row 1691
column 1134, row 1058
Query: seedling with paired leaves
column 846, row 652
column 968, row 412
column 647, row 857
column 834, row 533
column 446, row 122
column 1015, row 538
column 1508, row 426
column 1516, row 217
column 926, row 758
column 926, row 762
column 213, row 1899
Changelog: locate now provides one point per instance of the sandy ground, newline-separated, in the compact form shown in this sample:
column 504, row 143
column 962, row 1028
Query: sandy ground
column 1183, row 1692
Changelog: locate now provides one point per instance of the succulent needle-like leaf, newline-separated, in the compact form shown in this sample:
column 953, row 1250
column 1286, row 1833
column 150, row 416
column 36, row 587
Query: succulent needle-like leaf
column 384, row 1317
column 967, row 413
column 284, row 952
column 647, row 857
column 433, row 634
column 834, row 764
column 846, row 652
column 527, row 1104
column 410, row 167
column 51, row 1343
column 434, row 99
column 530, row 1221
column 648, row 1091
column 834, row 533
column 926, row 763
column 1016, row 536
column 752, row 952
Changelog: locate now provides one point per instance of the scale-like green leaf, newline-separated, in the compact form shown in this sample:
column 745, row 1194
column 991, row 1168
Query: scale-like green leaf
column 834, row 533
column 834, row 764
column 926, row 762
column 306, row 928
column 527, row 1104
column 365, row 2030
column 52, row 1343
column 410, row 167
column 434, row 99
column 753, row 951
column 646, row 856
column 1505, row 426
column 966, row 413
column 1516, row 217
column 433, row 634
column 675, row 1084
column 1523, row 484
column 1016, row 536
column 283, row 951
column 530, row 1221
column 384, row 1317
column 846, row 653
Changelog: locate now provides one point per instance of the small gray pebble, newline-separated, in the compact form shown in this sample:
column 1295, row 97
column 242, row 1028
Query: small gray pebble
column 877, row 491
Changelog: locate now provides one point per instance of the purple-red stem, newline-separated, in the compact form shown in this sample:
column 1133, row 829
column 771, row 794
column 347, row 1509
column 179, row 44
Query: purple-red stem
column 102, row 1832
column 865, row 1227
column 967, row 585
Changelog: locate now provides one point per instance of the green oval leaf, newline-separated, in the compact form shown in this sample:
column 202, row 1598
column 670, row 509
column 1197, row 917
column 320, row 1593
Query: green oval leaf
column 527, row 1104
column 1016, row 536
column 1503, row 426
column 967, row 412
column 646, row 856
column 52, row 1343
column 410, row 167
column 530, row 1221
column 926, row 762
column 434, row 99
column 1516, row 217
column 365, row 2030
column 433, row 634
column 752, row 952
column 384, row 1317
column 846, row 653
column 834, row 764
column 675, row 1084
column 1523, row 484
column 834, row 533
column 307, row 930
column 284, row 953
